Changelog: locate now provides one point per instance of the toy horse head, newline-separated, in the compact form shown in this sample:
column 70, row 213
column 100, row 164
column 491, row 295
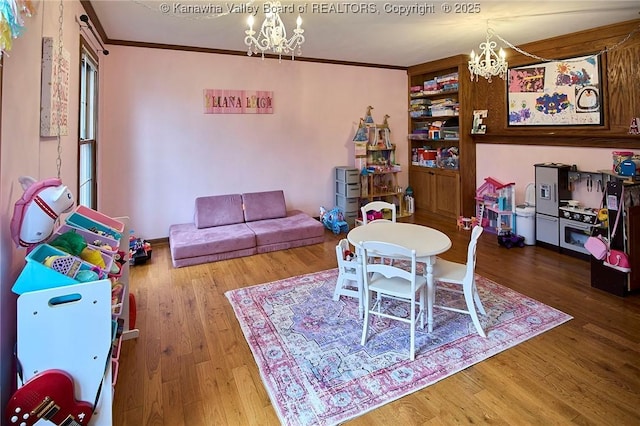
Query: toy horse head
column 35, row 214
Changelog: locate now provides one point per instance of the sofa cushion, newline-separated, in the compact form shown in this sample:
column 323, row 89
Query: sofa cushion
column 264, row 205
column 217, row 210
column 186, row 240
column 296, row 225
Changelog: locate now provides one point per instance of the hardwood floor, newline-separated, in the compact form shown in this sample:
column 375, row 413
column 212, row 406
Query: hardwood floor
column 191, row 364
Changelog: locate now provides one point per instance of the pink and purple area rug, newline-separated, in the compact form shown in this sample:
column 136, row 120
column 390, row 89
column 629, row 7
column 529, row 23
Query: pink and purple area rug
column 308, row 350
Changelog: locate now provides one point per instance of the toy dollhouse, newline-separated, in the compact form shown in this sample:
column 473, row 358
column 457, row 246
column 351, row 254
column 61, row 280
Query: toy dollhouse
column 495, row 207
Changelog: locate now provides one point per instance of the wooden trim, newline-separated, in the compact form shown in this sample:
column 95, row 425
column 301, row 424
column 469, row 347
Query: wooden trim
column 438, row 65
column 550, row 139
column 158, row 241
column 88, row 7
column 244, row 53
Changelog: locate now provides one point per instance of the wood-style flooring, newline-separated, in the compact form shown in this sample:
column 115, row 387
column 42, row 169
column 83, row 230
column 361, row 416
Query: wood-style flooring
column 191, row 364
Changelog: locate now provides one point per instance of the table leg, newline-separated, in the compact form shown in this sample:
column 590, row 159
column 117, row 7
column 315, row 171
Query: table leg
column 430, row 292
column 360, row 275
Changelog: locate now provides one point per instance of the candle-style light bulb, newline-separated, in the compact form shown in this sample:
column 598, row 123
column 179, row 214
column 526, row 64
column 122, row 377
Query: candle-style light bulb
column 299, row 21
column 250, row 22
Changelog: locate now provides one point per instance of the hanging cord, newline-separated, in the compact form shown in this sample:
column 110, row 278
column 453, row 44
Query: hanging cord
column 59, row 84
column 541, row 59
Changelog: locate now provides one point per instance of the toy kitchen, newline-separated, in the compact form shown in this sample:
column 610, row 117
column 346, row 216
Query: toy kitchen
column 573, row 204
column 562, row 222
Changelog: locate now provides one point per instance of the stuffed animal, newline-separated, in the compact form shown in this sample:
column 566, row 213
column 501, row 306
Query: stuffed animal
column 93, row 257
column 86, row 275
column 70, row 242
column 603, row 217
column 374, row 215
column 349, row 256
column 36, row 212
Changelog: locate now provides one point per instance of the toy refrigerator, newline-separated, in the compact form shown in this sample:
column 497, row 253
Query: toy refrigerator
column 552, row 185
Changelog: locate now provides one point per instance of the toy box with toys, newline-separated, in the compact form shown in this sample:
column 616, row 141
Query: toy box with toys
column 139, row 250
column 84, row 249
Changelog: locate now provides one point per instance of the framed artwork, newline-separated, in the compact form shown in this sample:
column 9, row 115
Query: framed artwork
column 557, row 93
column 54, row 93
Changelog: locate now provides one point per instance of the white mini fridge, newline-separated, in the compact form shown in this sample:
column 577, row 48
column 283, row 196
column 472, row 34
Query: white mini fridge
column 552, row 185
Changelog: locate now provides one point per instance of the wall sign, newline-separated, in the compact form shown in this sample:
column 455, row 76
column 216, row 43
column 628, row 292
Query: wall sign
column 54, row 93
column 221, row 101
column 557, row 93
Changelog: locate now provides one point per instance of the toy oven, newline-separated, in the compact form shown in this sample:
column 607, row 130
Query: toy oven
column 573, row 235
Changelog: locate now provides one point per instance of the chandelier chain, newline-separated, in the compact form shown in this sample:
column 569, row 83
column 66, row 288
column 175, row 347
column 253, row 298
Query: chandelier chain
column 59, row 86
column 542, row 59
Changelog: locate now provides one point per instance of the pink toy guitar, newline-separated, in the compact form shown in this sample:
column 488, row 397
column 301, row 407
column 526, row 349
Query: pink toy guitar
column 49, row 396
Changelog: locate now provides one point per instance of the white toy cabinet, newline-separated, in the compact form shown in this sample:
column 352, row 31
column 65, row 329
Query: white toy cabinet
column 72, row 327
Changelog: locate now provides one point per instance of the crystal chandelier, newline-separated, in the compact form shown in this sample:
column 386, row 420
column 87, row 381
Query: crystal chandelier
column 488, row 63
column 273, row 35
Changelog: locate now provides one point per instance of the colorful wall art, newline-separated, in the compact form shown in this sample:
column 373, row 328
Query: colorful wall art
column 222, row 101
column 556, row 93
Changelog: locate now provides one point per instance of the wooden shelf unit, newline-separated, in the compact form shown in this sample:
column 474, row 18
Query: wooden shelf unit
column 447, row 192
column 382, row 184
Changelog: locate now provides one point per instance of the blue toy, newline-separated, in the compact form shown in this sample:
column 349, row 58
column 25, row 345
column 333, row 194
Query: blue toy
column 334, row 220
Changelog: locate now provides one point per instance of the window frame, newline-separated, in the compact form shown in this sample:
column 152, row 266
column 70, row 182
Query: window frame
column 86, row 49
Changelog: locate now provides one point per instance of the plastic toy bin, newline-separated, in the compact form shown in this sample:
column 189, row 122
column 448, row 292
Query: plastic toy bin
column 91, row 238
column 36, row 276
column 84, row 217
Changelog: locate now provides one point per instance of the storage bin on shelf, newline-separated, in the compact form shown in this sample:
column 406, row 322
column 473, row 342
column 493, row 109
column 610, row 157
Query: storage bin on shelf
column 94, row 221
column 101, row 242
column 38, row 276
column 619, row 157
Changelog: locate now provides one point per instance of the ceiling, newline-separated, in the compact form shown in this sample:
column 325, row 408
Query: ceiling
column 358, row 31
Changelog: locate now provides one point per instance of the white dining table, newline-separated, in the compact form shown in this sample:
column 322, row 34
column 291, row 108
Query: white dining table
column 427, row 242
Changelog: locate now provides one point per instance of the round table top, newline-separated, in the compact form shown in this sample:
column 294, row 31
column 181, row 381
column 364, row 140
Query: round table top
column 424, row 240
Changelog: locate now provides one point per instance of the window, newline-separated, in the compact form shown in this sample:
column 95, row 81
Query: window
column 87, row 148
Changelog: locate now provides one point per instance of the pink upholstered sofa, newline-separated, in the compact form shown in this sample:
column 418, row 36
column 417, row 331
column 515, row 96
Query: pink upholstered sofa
column 235, row 225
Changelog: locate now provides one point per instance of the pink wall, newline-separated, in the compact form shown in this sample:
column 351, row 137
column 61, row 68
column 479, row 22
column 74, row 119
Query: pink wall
column 25, row 153
column 160, row 151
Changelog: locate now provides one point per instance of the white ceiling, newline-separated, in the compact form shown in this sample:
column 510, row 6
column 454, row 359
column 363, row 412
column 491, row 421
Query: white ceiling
column 378, row 37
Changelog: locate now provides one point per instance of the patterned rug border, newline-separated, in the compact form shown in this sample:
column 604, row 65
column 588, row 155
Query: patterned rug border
column 421, row 383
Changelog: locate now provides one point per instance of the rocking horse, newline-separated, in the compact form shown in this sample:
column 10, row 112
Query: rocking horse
column 35, row 214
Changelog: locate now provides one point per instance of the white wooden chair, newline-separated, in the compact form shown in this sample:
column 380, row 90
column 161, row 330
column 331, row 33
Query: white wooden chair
column 378, row 206
column 391, row 282
column 445, row 271
column 349, row 281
